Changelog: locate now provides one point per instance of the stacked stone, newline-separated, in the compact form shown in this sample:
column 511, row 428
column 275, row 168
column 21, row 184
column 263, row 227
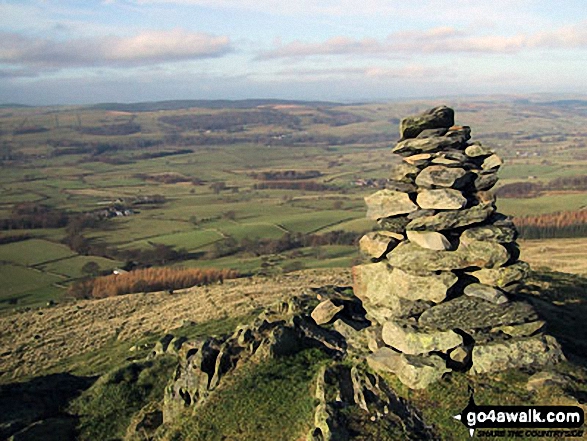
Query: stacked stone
column 443, row 272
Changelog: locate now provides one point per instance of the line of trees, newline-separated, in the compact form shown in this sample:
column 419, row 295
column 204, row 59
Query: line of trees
column 553, row 225
column 148, row 280
column 533, row 189
column 292, row 185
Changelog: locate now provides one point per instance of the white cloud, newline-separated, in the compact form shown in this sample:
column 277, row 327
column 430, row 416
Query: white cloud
column 147, row 47
column 433, row 41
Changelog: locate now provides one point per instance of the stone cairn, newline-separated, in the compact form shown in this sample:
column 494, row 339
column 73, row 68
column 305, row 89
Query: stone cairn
column 440, row 286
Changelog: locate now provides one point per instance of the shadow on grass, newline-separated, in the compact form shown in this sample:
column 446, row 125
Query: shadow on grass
column 37, row 408
column 561, row 300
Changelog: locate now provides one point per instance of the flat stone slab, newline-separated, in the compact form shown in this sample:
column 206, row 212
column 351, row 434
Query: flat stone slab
column 414, row 341
column 471, row 313
column 432, row 144
column 486, row 292
column 388, row 203
column 447, row 220
column 431, row 240
column 533, row 351
column 441, row 199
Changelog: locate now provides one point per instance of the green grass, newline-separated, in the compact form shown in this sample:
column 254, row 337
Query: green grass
column 106, row 408
column 26, row 286
column 272, row 400
column 543, row 204
column 33, row 252
column 314, row 221
column 72, row 267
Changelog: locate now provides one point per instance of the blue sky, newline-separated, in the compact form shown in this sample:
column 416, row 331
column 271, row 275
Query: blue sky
column 60, row 52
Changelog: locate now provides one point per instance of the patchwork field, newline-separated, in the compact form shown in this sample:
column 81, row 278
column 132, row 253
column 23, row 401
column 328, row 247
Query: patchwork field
column 186, row 187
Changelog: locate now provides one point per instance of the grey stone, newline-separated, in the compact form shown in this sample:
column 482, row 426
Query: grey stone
column 440, row 117
column 428, row 133
column 489, row 233
column 325, row 311
column 377, row 244
column 404, row 173
column 446, row 220
column 399, row 308
column 485, row 292
column 441, row 199
column 440, row 176
column 492, row 162
column 388, row 203
column 421, row 213
column 533, row 351
column 431, row 240
column 416, row 372
column 471, row 313
column 504, row 276
column 476, row 150
column 404, row 187
column 414, row 341
column 447, row 162
column 485, row 180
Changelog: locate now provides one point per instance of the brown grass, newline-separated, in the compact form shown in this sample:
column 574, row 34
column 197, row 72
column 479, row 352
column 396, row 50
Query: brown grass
column 34, row 341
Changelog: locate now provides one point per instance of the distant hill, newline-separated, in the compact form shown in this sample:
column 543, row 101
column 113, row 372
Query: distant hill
column 12, row 105
column 206, row 104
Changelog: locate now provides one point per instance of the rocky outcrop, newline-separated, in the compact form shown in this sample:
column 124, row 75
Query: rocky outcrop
column 442, row 294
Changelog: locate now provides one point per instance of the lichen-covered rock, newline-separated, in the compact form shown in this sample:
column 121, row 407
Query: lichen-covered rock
column 484, row 180
column 533, row 351
column 388, row 203
column 489, row 233
column 432, row 144
column 441, row 199
column 380, row 284
column 523, row 330
column 435, row 176
column 412, row 340
column 476, row 150
column 411, row 257
column 504, row 276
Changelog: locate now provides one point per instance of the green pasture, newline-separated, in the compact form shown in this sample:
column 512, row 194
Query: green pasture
column 543, row 204
column 311, row 222
column 33, row 252
column 132, row 228
column 20, row 283
column 190, row 240
column 72, row 266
